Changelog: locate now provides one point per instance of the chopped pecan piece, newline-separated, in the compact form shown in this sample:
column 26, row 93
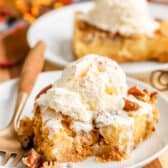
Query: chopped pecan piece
column 130, row 106
column 32, row 160
column 83, row 25
column 43, row 91
column 150, row 97
column 143, row 95
column 153, row 97
column 49, row 164
column 25, row 132
column 135, row 91
column 145, row 91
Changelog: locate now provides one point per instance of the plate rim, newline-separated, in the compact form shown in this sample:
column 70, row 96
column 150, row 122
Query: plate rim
column 129, row 79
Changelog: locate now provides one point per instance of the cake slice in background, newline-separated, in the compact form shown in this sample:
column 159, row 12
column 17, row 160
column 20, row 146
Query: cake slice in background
column 121, row 30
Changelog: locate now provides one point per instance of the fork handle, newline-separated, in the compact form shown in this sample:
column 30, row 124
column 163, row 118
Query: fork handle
column 31, row 69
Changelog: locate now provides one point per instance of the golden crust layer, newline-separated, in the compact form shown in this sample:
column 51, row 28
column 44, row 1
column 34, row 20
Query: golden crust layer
column 102, row 143
column 89, row 39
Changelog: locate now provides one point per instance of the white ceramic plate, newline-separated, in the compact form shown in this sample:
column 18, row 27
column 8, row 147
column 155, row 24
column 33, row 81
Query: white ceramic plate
column 146, row 152
column 56, row 29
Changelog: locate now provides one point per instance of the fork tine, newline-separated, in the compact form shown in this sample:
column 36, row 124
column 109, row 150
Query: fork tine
column 17, row 158
column 6, row 158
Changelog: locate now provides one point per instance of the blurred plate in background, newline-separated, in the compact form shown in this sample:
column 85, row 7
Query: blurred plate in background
column 56, row 29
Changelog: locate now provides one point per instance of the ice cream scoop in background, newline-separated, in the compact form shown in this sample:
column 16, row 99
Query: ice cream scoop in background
column 125, row 17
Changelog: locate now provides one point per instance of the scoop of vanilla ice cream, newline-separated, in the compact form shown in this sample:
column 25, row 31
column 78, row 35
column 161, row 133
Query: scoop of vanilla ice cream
column 65, row 101
column 99, row 81
column 126, row 17
column 91, row 84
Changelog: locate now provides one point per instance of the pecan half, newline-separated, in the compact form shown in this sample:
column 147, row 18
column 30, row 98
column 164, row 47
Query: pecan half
column 130, row 106
column 135, row 91
column 144, row 95
column 32, row 160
